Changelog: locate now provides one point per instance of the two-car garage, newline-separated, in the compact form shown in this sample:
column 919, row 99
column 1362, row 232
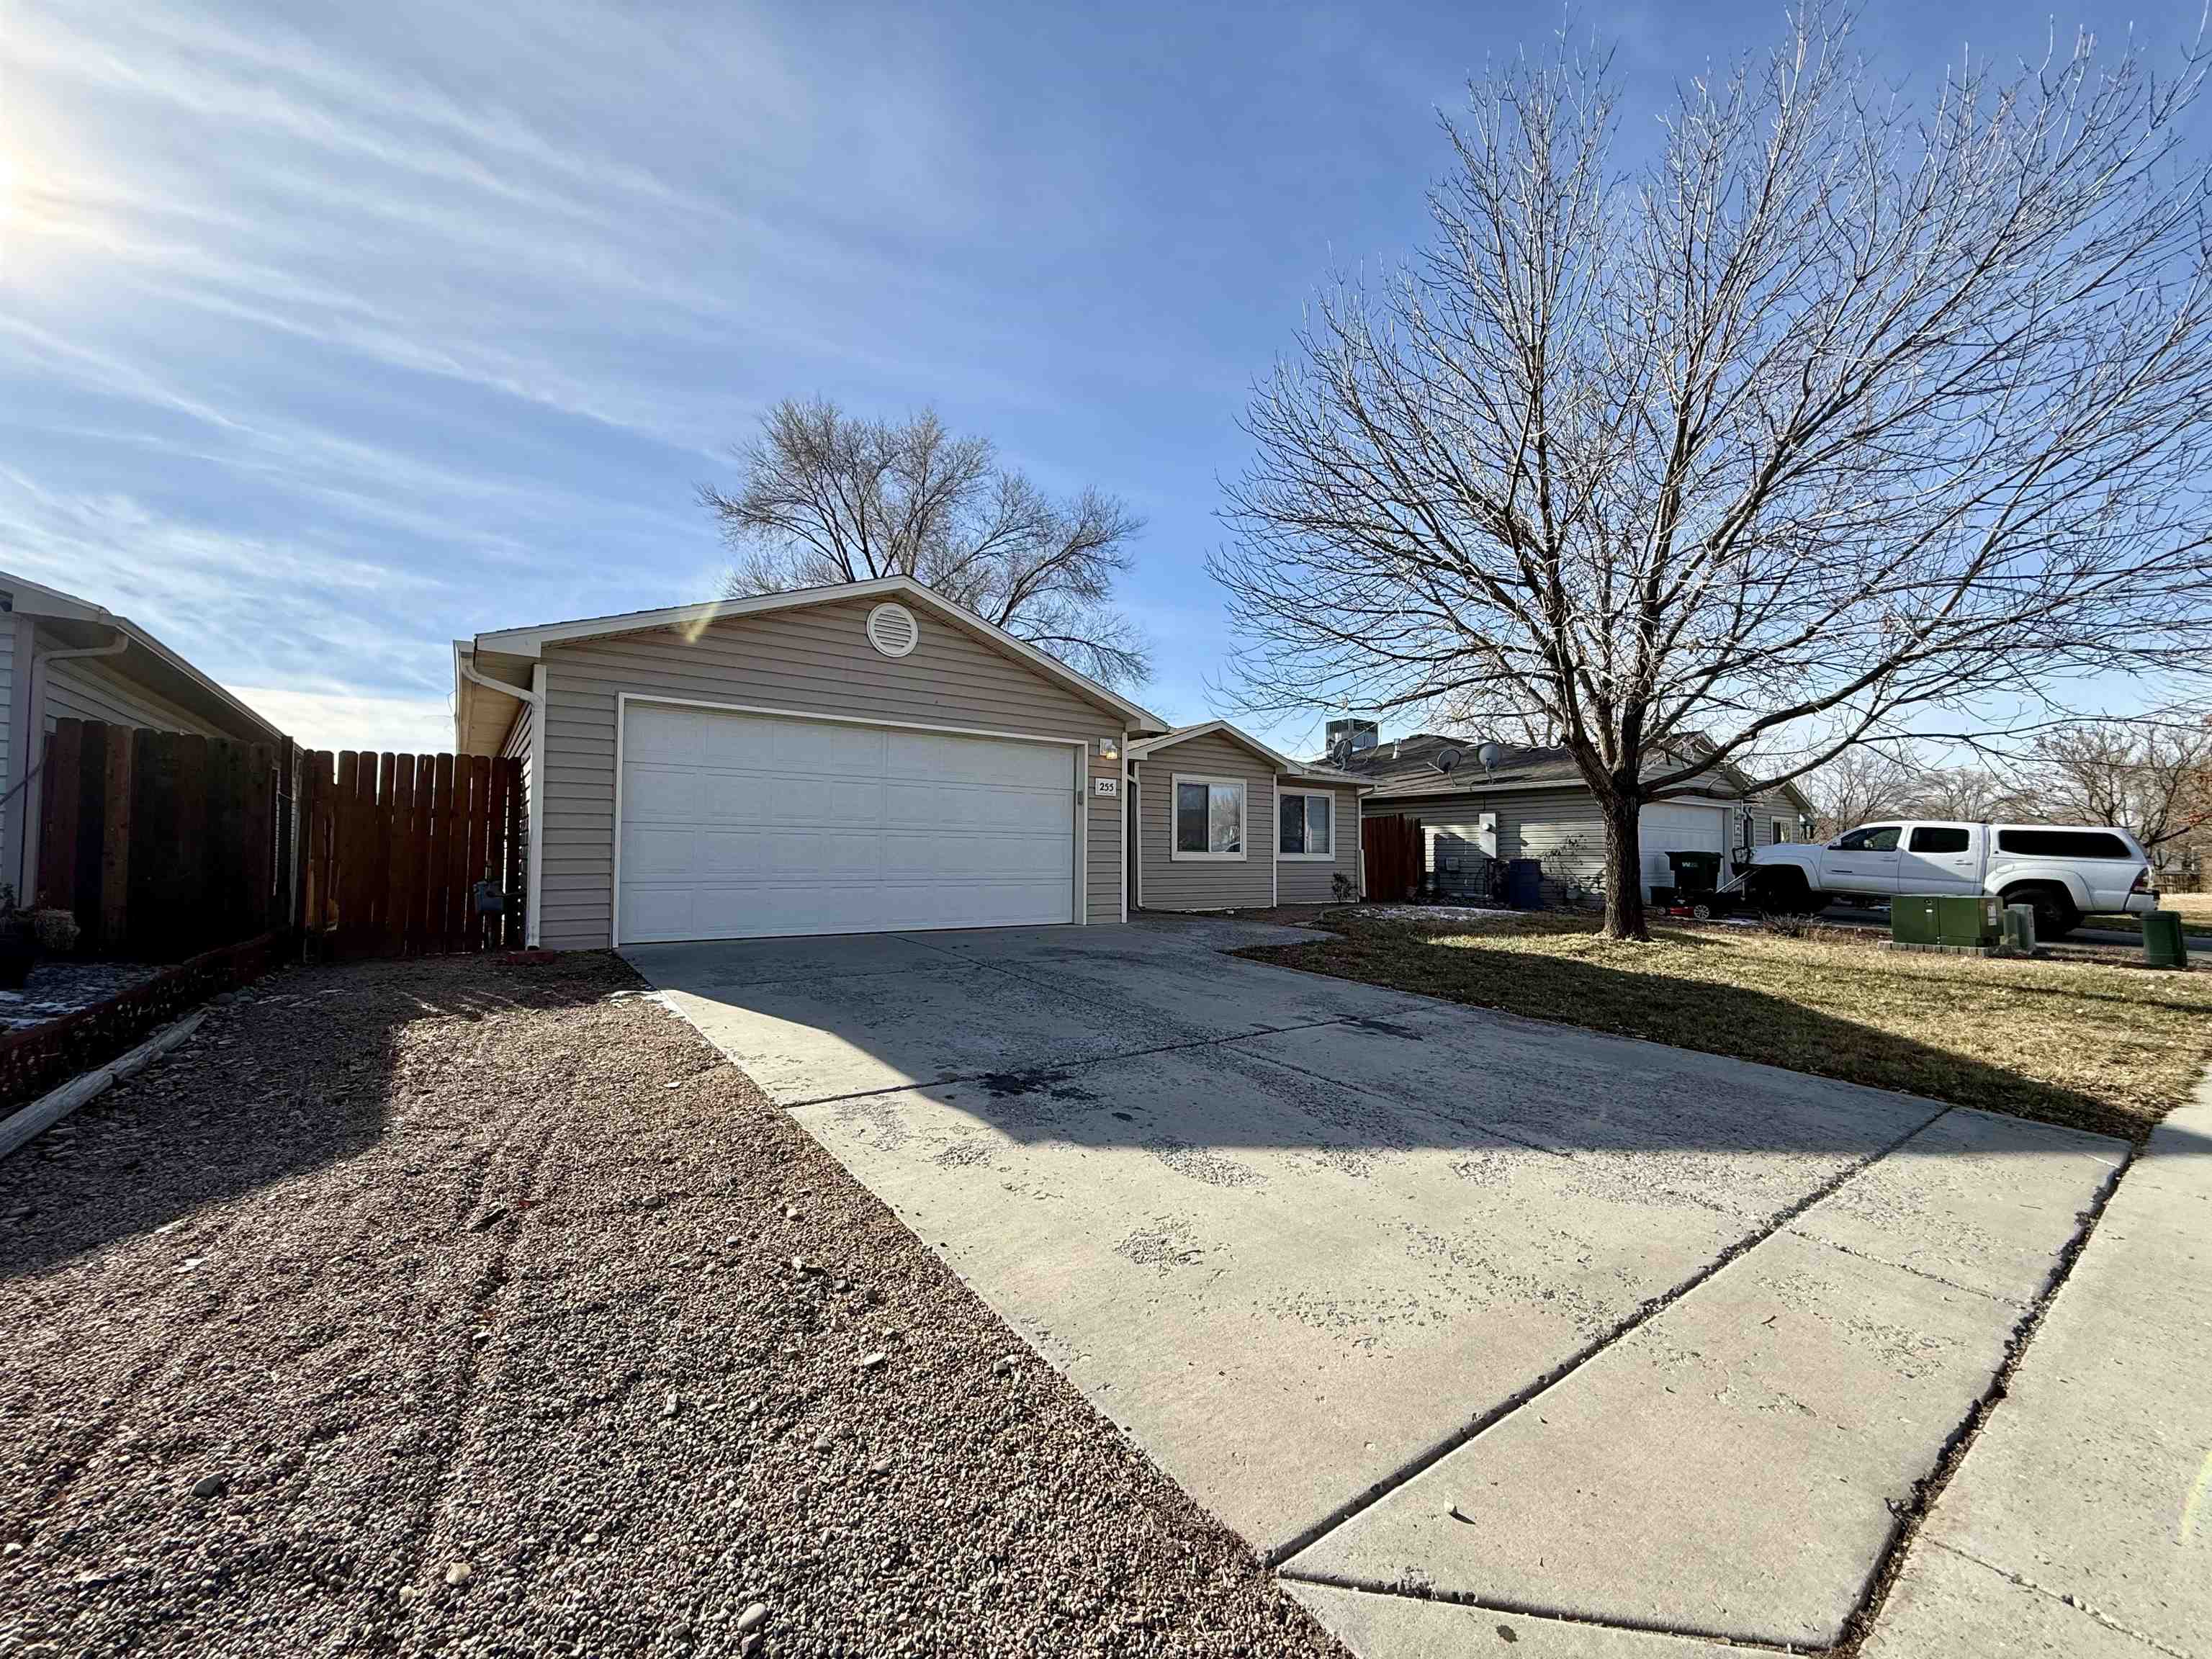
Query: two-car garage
column 736, row 824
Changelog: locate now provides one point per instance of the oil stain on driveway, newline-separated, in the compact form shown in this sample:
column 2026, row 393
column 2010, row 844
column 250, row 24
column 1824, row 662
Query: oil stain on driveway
column 1431, row 1305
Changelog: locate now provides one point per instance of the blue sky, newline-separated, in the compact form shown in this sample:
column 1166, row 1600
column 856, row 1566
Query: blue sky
column 329, row 334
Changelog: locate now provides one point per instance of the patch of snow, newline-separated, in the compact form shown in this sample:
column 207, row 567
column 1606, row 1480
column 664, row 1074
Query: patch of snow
column 1435, row 913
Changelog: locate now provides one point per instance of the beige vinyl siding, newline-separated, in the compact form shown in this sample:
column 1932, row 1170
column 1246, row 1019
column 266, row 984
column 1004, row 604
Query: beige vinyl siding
column 517, row 747
column 1101, row 845
column 814, row 660
column 91, row 688
column 1169, row 883
column 1296, row 881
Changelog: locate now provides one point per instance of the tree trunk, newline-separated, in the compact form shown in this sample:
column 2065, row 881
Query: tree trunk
column 1624, row 869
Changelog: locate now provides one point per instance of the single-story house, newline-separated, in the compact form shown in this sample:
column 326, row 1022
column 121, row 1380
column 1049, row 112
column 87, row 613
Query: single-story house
column 1223, row 822
column 1531, row 802
column 865, row 758
column 62, row 657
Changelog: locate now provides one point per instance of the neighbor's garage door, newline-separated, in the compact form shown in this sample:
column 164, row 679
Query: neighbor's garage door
column 1665, row 829
column 737, row 825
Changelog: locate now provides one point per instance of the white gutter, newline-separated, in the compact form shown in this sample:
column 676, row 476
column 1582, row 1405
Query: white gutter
column 533, row 699
column 26, row 863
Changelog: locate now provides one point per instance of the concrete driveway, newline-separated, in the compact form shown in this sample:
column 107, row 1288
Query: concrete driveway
column 1433, row 1305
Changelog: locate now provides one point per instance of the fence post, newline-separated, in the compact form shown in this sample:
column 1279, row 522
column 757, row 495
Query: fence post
column 61, row 797
column 115, row 842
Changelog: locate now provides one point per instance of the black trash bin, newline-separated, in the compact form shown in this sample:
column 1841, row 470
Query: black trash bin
column 1695, row 872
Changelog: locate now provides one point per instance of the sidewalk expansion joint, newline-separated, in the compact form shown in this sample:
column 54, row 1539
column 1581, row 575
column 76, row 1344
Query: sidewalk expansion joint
column 1651, row 1309
column 1907, row 1268
column 1930, row 1488
column 1530, row 1610
column 2072, row 1603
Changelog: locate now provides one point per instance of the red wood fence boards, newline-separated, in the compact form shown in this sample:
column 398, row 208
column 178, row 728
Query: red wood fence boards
column 161, row 843
column 391, row 848
column 1392, row 848
column 164, row 845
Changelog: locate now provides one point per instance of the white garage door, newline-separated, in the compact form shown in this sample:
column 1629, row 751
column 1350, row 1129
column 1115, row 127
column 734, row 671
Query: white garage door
column 735, row 826
column 1667, row 828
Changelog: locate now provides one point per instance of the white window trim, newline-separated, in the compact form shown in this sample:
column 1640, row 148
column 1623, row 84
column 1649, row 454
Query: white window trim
column 1329, row 857
column 1244, row 788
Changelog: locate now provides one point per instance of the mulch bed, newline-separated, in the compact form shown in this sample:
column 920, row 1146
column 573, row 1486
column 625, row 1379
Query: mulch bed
column 458, row 1306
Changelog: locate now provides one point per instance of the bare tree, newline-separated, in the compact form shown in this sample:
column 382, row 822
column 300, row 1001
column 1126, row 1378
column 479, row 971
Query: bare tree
column 2154, row 778
column 1828, row 415
column 1971, row 793
column 1857, row 786
column 827, row 497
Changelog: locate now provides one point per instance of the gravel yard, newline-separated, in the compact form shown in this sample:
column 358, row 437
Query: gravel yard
column 460, row 1307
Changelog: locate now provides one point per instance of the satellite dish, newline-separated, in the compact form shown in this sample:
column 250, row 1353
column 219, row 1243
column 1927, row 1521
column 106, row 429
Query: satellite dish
column 1488, row 755
column 1446, row 759
column 1339, row 752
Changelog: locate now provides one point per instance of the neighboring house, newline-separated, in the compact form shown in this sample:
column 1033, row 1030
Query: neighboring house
column 865, row 758
column 62, row 656
column 1532, row 803
column 1224, row 822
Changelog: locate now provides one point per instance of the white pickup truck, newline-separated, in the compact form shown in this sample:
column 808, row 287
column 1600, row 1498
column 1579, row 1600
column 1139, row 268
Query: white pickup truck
column 2065, row 871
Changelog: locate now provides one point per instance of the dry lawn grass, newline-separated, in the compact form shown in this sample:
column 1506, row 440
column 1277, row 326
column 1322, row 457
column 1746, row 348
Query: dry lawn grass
column 2089, row 1045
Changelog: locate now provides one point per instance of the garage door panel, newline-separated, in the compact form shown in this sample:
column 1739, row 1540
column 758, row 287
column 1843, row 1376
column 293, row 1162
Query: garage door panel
column 826, row 747
column 957, row 859
column 932, row 806
column 740, row 825
column 656, row 794
column 795, row 800
column 1664, row 829
column 940, row 757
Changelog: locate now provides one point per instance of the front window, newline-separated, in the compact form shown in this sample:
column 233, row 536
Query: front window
column 1777, row 832
column 1870, row 838
column 1209, row 818
column 1308, row 825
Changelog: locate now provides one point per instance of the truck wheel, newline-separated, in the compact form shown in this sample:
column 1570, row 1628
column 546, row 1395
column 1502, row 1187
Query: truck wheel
column 1782, row 892
column 2055, row 914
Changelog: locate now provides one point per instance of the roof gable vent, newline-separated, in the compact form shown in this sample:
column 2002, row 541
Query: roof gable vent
column 892, row 630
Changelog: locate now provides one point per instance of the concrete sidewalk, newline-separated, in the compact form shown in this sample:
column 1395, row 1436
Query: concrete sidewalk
column 2080, row 1523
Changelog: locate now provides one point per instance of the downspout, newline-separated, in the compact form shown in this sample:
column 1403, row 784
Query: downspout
column 34, row 794
column 534, row 699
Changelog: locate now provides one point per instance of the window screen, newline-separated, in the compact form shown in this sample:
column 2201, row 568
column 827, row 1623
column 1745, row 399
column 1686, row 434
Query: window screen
column 1305, row 820
column 1209, row 817
column 2064, row 843
column 1940, row 838
column 1190, row 817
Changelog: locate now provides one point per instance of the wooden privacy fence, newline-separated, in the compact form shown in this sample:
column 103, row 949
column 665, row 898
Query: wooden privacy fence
column 164, row 845
column 161, row 844
column 391, row 848
column 1392, row 848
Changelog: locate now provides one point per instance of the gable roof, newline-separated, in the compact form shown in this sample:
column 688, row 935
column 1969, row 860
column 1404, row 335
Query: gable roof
column 1406, row 769
column 1316, row 771
column 529, row 643
column 79, row 622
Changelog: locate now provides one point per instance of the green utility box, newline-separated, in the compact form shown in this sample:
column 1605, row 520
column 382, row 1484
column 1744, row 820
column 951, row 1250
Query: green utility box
column 2162, row 943
column 1955, row 920
column 1912, row 920
column 1963, row 919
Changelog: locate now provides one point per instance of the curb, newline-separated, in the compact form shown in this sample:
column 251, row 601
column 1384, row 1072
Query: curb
column 26, row 1124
